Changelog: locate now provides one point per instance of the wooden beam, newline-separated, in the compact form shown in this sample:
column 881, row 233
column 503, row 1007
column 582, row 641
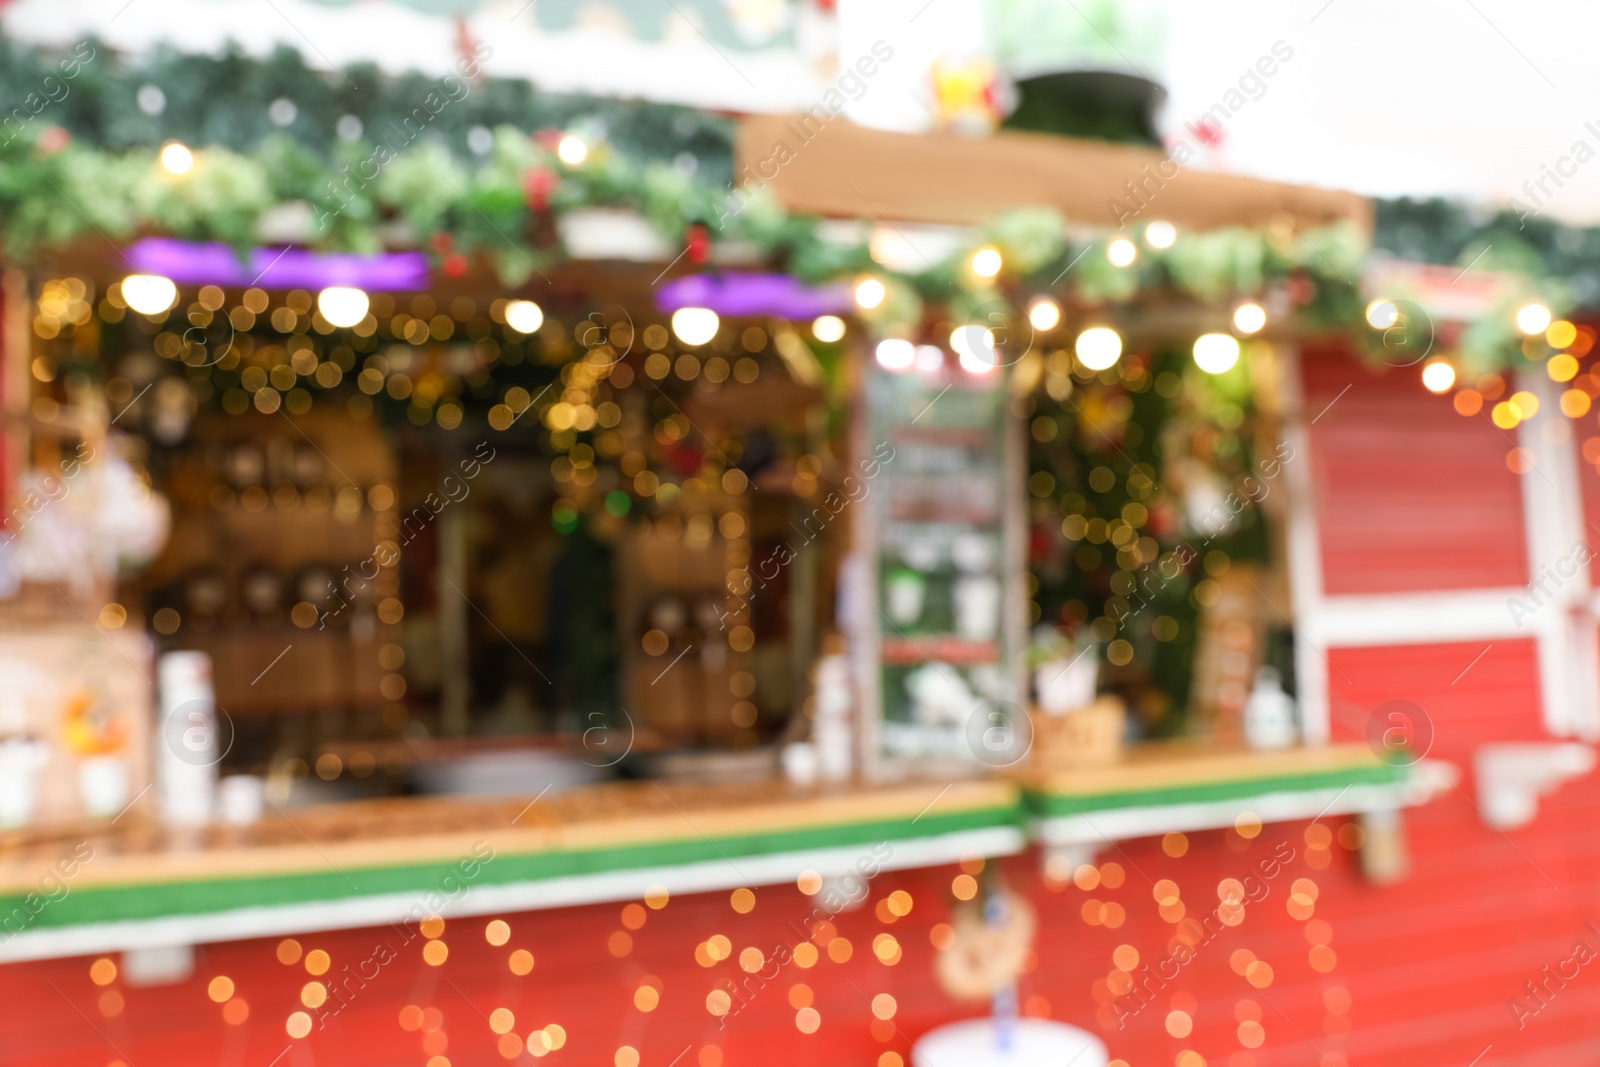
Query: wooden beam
column 842, row 170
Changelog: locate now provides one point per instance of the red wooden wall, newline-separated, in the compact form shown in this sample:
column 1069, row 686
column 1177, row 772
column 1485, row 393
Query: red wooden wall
column 1412, row 497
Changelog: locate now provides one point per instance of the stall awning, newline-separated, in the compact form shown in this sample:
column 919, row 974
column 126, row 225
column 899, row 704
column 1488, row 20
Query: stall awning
column 834, row 168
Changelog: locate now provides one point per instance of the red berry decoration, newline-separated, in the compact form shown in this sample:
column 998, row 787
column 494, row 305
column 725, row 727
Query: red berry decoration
column 1300, row 288
column 1209, row 131
column 698, row 240
column 52, row 140
column 455, row 265
column 538, row 185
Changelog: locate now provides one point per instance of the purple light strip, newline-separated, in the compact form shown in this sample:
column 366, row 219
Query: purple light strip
column 189, row 263
column 747, row 293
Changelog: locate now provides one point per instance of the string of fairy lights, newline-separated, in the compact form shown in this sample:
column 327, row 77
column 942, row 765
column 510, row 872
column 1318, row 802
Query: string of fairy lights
column 1557, row 345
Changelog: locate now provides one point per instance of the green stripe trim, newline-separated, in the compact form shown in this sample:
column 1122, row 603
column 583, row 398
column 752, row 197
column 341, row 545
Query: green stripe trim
column 112, row 903
column 1050, row 803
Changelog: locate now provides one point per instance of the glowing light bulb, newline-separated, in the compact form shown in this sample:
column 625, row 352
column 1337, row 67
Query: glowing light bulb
column 571, row 150
column 827, row 328
column 869, row 293
column 1216, row 352
column 1249, row 318
column 149, row 294
column 1122, row 252
column 986, row 262
column 1044, row 314
column 176, row 157
column 1438, row 376
column 1160, row 234
column 695, row 326
column 974, row 346
column 1098, row 347
column 1533, row 318
column 895, row 354
column 524, row 316
column 341, row 306
column 1382, row 314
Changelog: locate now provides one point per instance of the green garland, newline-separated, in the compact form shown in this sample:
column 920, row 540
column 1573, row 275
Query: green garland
column 507, row 207
column 85, row 168
column 77, row 161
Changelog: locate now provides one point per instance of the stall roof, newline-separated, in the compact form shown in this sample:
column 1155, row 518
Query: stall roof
column 837, row 169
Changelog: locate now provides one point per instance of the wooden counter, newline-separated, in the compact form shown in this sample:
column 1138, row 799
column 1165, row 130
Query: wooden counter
column 373, row 862
column 1167, row 786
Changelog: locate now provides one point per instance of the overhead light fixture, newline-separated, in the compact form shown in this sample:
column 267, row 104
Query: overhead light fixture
column 695, row 326
column 524, row 316
column 149, row 294
column 341, row 306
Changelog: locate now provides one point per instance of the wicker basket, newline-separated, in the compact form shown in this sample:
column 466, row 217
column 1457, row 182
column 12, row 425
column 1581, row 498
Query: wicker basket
column 1089, row 737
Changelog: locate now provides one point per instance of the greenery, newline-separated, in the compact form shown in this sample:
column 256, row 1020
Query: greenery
column 482, row 178
column 1117, row 460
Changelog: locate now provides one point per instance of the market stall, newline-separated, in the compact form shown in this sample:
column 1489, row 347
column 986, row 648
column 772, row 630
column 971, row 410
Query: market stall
column 910, row 528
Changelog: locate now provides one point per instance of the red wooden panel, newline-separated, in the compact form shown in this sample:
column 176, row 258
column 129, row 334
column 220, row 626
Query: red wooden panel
column 1429, row 964
column 1409, row 495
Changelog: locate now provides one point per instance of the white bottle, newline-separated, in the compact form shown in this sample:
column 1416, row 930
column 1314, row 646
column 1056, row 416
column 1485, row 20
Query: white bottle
column 1269, row 714
column 187, row 742
column 833, row 731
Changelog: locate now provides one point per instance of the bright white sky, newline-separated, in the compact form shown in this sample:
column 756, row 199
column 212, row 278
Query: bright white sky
column 1462, row 98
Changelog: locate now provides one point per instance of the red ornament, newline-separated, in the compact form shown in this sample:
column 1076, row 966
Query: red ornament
column 698, row 241
column 442, row 242
column 1209, row 131
column 52, row 140
column 1300, row 288
column 455, row 265
column 538, row 185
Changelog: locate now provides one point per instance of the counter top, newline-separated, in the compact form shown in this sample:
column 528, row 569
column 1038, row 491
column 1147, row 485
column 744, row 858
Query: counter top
column 365, row 863
column 370, row 862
